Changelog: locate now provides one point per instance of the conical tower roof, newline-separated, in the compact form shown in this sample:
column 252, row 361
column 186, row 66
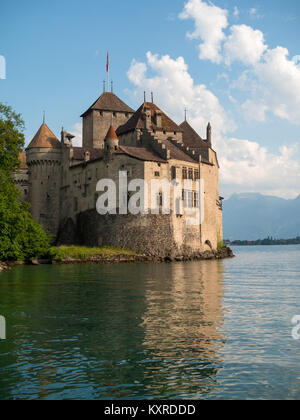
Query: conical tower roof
column 44, row 138
column 111, row 134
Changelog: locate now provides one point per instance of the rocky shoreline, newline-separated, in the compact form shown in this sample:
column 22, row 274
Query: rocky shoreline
column 140, row 258
column 135, row 258
column 3, row 267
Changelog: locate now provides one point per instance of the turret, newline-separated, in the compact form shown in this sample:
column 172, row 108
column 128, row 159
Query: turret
column 66, row 138
column 44, row 157
column 111, row 142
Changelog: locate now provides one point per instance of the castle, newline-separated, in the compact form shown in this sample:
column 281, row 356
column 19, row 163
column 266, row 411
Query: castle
column 59, row 180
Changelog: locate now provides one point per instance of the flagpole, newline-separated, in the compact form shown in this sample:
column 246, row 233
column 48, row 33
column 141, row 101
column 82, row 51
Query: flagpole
column 107, row 69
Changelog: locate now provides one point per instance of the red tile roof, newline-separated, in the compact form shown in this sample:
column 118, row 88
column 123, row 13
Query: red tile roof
column 109, row 102
column 136, row 121
column 111, row 134
column 44, row 138
column 22, row 159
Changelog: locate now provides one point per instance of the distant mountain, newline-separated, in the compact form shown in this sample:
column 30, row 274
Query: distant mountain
column 256, row 216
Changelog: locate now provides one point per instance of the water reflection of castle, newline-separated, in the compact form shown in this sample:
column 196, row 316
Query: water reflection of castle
column 182, row 326
column 138, row 331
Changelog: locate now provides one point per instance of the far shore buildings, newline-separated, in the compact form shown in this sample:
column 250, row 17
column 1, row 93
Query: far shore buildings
column 59, row 180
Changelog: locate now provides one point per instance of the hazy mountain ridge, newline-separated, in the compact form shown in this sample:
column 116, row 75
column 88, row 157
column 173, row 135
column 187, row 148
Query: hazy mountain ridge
column 255, row 216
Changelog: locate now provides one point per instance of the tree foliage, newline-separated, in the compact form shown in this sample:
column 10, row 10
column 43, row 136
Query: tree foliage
column 11, row 138
column 20, row 237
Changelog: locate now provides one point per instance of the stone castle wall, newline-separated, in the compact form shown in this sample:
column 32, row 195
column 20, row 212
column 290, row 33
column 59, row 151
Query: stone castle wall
column 149, row 234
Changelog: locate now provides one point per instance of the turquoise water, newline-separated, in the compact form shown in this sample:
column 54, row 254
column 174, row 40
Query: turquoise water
column 200, row 330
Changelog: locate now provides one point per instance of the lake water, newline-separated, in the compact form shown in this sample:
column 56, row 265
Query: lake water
column 199, row 330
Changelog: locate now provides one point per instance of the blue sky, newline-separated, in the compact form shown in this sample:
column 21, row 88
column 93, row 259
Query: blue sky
column 56, row 54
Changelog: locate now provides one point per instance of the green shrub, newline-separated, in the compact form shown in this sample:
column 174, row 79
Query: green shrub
column 81, row 252
column 20, row 237
column 219, row 241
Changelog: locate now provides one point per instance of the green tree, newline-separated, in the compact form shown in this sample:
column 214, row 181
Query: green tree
column 20, row 237
column 11, row 138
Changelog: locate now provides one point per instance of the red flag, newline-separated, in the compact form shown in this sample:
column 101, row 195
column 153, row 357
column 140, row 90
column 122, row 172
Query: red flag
column 107, row 63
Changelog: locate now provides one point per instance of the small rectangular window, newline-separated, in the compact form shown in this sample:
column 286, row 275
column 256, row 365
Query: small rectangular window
column 159, row 199
column 196, row 200
column 190, row 199
column 157, row 174
column 184, row 173
column 191, row 173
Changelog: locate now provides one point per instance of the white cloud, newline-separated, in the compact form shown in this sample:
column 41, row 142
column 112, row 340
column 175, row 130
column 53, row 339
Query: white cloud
column 244, row 44
column 279, row 80
column 276, row 86
column 174, row 90
column 272, row 78
column 254, row 110
column 270, row 83
column 254, row 14
column 210, row 22
column 236, row 12
column 245, row 165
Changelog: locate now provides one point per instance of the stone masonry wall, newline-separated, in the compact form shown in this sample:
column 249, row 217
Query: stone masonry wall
column 96, row 125
column 149, row 234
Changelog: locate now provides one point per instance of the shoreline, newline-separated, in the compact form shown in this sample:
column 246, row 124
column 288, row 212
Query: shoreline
column 224, row 253
column 251, row 245
column 3, row 266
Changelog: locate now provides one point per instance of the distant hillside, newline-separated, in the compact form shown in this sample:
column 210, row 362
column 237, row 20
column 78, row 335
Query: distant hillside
column 256, row 216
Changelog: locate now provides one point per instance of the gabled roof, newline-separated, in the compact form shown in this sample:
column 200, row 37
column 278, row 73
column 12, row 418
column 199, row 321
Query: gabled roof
column 44, row 138
column 191, row 138
column 136, row 121
column 108, row 101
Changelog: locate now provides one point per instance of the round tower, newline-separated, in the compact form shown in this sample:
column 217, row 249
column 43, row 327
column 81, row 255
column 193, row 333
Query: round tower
column 44, row 158
column 111, row 141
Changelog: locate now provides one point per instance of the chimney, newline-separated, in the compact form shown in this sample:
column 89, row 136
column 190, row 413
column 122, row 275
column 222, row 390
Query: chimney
column 208, row 135
column 62, row 134
column 147, row 118
column 158, row 119
column 87, row 156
